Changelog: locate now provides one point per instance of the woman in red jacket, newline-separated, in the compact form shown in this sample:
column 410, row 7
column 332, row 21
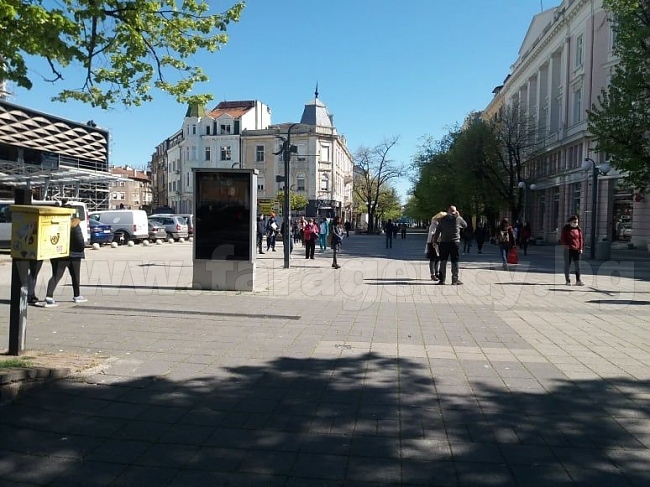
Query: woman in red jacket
column 573, row 243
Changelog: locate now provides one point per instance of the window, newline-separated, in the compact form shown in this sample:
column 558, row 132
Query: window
column 225, row 129
column 576, row 191
column 259, row 153
column 121, row 183
column 207, row 154
column 577, row 105
column 612, row 37
column 260, row 184
column 300, row 182
column 115, row 196
column 325, row 153
column 193, row 129
column 226, row 153
column 122, row 196
column 579, row 50
column 187, row 153
column 207, row 130
column 194, row 153
column 325, row 182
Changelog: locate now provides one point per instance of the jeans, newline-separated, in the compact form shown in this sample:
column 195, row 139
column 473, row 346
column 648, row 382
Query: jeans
column 434, row 266
column 504, row 248
column 322, row 241
column 449, row 251
column 572, row 256
column 270, row 241
column 389, row 240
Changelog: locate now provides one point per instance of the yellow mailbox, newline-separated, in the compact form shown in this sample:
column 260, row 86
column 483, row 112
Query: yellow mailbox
column 40, row 232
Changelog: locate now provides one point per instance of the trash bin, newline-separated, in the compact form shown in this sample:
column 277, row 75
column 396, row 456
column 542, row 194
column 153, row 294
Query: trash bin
column 603, row 249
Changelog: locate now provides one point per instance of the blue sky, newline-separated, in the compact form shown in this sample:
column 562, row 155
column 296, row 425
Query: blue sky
column 384, row 68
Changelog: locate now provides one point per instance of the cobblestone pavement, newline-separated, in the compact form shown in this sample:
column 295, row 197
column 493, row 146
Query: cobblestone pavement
column 367, row 375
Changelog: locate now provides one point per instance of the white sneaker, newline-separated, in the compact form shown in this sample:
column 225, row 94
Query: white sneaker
column 50, row 302
column 79, row 299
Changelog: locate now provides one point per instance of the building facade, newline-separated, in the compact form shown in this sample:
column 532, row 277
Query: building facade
column 239, row 134
column 564, row 62
column 132, row 191
column 321, row 169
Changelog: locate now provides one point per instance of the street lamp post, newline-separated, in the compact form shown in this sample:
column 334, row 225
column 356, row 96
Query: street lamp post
column 287, row 149
column 590, row 165
column 526, row 187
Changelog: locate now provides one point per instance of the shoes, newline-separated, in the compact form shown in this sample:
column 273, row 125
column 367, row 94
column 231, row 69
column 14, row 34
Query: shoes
column 50, row 302
column 79, row 299
column 273, row 250
column 312, row 257
column 505, row 267
column 456, row 283
column 568, row 283
column 434, row 277
column 33, row 300
column 580, row 283
column 260, row 252
column 440, row 283
column 336, row 266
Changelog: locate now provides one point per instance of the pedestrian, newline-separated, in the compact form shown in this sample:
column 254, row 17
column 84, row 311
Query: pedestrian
column 32, row 276
column 448, row 233
column 261, row 231
column 526, row 234
column 323, row 231
column 72, row 262
column 389, row 229
column 506, row 240
column 311, row 235
column 467, row 236
column 295, row 231
column 572, row 240
column 301, row 229
column 432, row 249
column 348, row 227
column 481, row 236
column 271, row 232
column 336, row 233
column 403, row 230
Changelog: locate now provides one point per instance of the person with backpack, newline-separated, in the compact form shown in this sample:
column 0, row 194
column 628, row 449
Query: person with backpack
column 432, row 249
column 506, row 240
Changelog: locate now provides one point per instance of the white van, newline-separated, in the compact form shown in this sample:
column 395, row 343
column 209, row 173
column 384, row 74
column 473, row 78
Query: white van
column 81, row 212
column 126, row 224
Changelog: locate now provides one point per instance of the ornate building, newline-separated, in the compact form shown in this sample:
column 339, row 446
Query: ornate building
column 564, row 62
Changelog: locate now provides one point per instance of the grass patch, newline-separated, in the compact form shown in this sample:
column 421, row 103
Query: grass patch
column 7, row 363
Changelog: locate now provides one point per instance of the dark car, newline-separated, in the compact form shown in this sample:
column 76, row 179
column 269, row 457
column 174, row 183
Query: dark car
column 157, row 231
column 100, row 233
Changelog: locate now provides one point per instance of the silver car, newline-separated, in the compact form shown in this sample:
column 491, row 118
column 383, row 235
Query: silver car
column 175, row 225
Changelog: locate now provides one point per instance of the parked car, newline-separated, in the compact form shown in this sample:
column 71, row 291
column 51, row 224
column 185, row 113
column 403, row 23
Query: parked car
column 175, row 225
column 156, row 231
column 100, row 233
column 624, row 231
column 126, row 224
column 189, row 218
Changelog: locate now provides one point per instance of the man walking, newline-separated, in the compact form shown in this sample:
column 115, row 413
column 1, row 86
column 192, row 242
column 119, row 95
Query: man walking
column 448, row 233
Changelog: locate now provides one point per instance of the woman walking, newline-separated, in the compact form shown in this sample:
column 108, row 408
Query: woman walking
column 72, row 262
column 337, row 232
column 572, row 240
column 432, row 250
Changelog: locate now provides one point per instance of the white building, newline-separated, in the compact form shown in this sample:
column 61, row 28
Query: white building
column 321, row 169
column 564, row 62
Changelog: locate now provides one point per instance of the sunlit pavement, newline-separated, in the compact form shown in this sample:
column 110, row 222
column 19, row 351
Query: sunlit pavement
column 369, row 374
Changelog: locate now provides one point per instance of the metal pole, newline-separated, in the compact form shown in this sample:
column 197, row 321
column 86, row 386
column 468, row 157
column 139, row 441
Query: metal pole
column 286, row 237
column 594, row 202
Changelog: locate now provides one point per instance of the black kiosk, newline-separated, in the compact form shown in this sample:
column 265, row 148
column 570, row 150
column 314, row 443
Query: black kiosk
column 225, row 203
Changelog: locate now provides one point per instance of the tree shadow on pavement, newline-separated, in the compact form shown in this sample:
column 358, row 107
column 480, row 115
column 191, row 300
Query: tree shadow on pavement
column 355, row 420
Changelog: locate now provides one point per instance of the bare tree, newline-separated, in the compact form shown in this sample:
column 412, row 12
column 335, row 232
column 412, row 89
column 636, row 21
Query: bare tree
column 514, row 134
column 373, row 169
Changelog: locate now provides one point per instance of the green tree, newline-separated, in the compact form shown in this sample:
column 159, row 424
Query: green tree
column 296, row 201
column 125, row 48
column 620, row 120
column 388, row 205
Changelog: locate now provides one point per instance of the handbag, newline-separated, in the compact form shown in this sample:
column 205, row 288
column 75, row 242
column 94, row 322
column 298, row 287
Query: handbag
column 513, row 256
column 329, row 240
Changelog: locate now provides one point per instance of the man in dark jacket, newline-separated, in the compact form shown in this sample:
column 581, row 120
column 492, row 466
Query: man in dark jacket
column 448, row 232
column 261, row 231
